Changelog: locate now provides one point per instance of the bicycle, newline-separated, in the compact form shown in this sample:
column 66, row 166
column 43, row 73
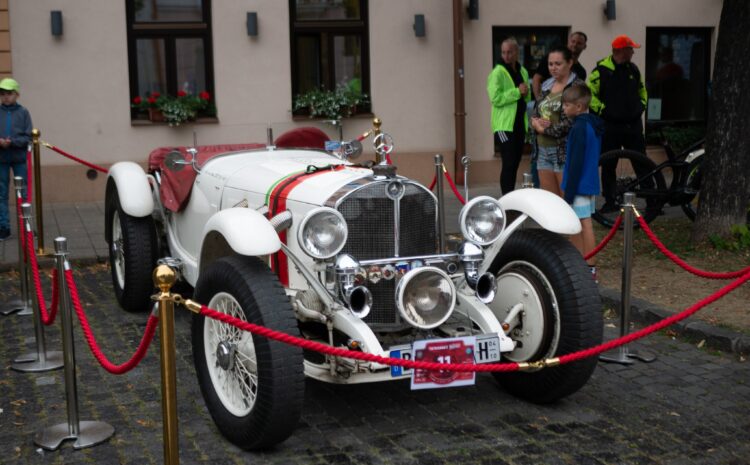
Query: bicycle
column 637, row 173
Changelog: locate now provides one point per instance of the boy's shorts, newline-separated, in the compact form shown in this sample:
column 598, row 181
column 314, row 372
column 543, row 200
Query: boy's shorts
column 547, row 159
column 584, row 205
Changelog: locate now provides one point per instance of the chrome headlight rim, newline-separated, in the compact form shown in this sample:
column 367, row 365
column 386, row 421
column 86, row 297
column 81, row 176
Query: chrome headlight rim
column 306, row 220
column 469, row 234
column 403, row 284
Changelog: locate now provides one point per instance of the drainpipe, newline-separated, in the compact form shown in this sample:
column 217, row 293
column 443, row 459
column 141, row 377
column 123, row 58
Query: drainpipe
column 458, row 89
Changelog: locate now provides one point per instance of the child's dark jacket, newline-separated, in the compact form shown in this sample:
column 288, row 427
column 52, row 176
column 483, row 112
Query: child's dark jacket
column 581, row 171
column 15, row 122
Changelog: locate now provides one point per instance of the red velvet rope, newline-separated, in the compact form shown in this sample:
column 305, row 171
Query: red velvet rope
column 29, row 176
column 606, row 239
column 581, row 354
column 325, row 349
column 148, row 335
column 47, row 316
column 434, row 181
column 682, row 263
column 453, row 187
column 500, row 367
column 76, row 159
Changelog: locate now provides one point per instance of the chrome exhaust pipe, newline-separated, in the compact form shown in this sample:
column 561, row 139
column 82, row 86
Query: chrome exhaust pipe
column 359, row 300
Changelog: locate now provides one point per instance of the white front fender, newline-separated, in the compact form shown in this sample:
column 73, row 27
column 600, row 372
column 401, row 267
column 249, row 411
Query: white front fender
column 246, row 231
column 133, row 188
column 550, row 211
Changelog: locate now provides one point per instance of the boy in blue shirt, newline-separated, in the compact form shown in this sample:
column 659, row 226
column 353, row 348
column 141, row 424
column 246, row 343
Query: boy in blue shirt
column 580, row 184
column 15, row 136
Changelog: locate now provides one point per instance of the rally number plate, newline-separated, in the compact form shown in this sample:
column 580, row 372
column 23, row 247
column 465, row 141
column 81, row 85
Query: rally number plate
column 487, row 350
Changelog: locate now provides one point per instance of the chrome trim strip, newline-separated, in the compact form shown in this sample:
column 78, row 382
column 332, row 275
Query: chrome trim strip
column 425, row 258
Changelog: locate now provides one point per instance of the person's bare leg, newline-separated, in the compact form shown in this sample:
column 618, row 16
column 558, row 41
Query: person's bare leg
column 548, row 182
column 588, row 239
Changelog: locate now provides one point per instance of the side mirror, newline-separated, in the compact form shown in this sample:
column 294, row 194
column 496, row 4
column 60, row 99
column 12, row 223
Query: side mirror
column 175, row 161
column 352, row 150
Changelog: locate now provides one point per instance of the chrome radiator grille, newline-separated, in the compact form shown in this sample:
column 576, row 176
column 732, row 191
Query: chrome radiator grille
column 370, row 219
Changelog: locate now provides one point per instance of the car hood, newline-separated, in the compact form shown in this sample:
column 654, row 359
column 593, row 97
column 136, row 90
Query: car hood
column 262, row 171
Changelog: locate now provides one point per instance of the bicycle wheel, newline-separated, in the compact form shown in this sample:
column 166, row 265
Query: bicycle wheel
column 692, row 188
column 629, row 171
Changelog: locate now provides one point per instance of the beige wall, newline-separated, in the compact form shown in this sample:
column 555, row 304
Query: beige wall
column 77, row 89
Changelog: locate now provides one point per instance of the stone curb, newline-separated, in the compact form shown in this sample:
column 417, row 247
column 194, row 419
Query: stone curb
column 692, row 329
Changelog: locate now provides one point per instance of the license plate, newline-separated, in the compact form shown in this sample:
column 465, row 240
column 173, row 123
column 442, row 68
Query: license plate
column 458, row 350
column 487, row 350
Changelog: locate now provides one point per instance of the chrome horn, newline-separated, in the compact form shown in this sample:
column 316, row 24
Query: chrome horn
column 484, row 285
column 357, row 298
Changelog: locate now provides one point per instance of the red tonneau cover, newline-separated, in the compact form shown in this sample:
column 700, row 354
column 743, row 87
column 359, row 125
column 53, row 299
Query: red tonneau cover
column 176, row 185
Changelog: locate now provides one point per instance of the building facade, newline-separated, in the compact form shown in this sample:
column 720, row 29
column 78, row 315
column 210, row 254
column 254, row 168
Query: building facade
column 251, row 57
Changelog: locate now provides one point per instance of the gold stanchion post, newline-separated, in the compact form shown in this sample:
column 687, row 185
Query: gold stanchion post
column 164, row 278
column 37, row 168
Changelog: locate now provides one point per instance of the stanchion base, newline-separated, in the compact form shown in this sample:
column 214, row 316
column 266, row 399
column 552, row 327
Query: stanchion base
column 26, row 311
column 54, row 361
column 90, row 434
column 12, row 307
column 624, row 356
column 646, row 357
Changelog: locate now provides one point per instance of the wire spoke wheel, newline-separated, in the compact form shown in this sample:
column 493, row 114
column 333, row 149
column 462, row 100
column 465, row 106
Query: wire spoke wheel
column 253, row 386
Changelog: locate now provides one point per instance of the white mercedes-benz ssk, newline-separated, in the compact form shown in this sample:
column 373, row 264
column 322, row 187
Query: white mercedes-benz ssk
column 307, row 242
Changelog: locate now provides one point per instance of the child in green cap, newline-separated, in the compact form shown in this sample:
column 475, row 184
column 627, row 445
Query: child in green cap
column 15, row 136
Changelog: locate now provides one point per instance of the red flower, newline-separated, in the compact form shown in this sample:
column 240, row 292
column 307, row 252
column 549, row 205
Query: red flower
column 155, row 95
column 181, row 93
column 204, row 95
column 152, row 100
column 137, row 100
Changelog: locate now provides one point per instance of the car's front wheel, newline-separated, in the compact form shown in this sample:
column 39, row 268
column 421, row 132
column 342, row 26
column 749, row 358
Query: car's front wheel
column 253, row 386
column 559, row 313
column 132, row 254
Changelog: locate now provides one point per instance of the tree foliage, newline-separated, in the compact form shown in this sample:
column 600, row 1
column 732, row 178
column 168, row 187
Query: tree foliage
column 725, row 189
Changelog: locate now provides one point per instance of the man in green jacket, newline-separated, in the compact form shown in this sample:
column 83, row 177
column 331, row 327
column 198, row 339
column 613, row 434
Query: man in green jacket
column 619, row 98
column 508, row 90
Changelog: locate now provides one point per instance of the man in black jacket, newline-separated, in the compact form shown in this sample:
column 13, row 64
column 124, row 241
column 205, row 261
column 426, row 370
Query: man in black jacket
column 619, row 97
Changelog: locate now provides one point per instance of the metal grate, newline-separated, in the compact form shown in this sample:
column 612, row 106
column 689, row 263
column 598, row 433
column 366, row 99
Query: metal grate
column 369, row 216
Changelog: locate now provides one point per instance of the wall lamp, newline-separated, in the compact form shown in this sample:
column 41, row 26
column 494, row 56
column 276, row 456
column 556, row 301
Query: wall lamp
column 420, row 29
column 56, row 23
column 252, row 24
column 472, row 9
column 610, row 10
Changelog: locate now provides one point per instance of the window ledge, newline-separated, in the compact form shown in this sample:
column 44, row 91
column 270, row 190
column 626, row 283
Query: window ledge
column 357, row 116
column 145, row 122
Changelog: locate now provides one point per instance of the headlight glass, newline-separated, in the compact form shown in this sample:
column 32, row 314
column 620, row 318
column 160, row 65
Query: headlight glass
column 482, row 220
column 322, row 233
column 425, row 297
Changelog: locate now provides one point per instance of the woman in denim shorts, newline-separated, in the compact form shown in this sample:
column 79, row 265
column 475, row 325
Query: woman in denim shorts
column 550, row 123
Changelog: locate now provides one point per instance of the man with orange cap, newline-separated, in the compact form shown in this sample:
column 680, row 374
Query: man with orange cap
column 619, row 98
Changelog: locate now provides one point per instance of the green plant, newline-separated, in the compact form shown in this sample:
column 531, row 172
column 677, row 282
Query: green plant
column 679, row 137
column 330, row 104
column 176, row 109
column 739, row 239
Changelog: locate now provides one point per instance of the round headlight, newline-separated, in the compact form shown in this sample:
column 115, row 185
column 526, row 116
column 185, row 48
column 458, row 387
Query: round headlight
column 322, row 234
column 425, row 297
column 482, row 220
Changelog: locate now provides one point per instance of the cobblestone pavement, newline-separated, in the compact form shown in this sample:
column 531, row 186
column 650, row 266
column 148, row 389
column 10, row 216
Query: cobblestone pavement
column 688, row 407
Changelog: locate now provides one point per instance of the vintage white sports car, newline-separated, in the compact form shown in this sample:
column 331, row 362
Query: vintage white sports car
column 307, row 242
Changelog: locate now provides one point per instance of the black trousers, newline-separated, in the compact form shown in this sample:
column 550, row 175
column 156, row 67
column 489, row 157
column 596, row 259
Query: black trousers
column 511, row 149
column 620, row 136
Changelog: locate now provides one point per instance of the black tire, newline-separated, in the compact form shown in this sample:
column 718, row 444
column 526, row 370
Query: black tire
column 540, row 269
column 693, row 188
column 133, row 250
column 650, row 190
column 246, row 288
